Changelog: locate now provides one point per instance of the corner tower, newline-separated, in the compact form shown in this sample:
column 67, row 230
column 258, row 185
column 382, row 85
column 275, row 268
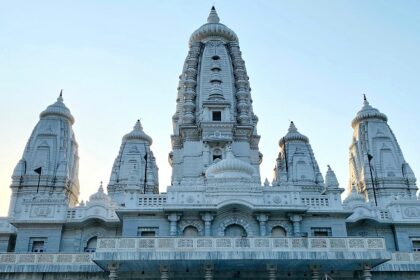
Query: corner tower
column 214, row 106
column 50, row 162
column 377, row 166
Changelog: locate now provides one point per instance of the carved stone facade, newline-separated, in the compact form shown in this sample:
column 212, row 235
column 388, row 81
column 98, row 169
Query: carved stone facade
column 216, row 220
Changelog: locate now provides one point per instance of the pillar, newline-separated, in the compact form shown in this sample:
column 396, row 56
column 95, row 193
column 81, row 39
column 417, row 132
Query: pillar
column 173, row 220
column 366, row 275
column 314, row 272
column 164, row 272
column 208, row 272
column 272, row 272
column 113, row 271
column 207, row 218
column 296, row 219
column 262, row 219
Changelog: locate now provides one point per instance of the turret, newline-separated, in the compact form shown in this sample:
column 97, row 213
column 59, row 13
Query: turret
column 49, row 164
column 377, row 166
column 134, row 169
column 214, row 106
column 296, row 164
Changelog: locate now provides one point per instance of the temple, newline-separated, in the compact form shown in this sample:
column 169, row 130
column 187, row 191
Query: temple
column 217, row 220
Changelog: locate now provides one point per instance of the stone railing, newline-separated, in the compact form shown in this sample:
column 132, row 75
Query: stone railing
column 235, row 244
column 45, row 258
column 405, row 257
column 315, row 201
column 152, row 201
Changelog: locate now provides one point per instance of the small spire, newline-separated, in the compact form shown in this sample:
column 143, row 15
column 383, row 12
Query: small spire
column 365, row 101
column 101, row 188
column 292, row 127
column 138, row 125
column 60, row 97
column 213, row 17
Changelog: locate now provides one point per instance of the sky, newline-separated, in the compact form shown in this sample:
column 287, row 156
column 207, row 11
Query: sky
column 118, row 61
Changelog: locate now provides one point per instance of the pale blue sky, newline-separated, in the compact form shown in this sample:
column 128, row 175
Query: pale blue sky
column 117, row 61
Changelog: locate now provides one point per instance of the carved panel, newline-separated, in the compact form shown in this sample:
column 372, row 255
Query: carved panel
column 204, row 243
column 185, row 243
column 411, row 212
column 45, row 258
column 356, row 243
column 146, row 243
column 337, row 243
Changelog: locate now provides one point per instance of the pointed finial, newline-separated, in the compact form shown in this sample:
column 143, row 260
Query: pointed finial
column 292, row 127
column 329, row 167
column 138, row 125
column 101, row 188
column 365, row 101
column 60, row 97
column 213, row 17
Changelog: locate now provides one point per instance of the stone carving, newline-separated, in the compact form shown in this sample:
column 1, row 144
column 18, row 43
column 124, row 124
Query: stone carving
column 223, row 243
column 319, row 243
column 64, row 258
column 234, row 220
column 356, row 243
column 411, row 212
column 204, row 243
column 107, row 243
column 336, row 243
column 185, row 243
column 146, row 243
column 261, row 243
column 166, row 243
column 281, row 243
column 375, row 243
column 45, row 258
column 127, row 243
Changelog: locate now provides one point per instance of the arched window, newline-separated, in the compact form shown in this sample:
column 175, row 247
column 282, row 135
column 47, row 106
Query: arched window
column 91, row 245
column 190, row 231
column 278, row 231
column 235, row 230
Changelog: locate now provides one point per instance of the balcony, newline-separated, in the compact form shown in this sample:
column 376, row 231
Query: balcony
column 137, row 254
column 47, row 262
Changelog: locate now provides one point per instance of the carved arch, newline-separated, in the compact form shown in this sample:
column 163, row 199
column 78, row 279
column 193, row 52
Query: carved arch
column 284, row 224
column 98, row 232
column 235, row 220
column 194, row 223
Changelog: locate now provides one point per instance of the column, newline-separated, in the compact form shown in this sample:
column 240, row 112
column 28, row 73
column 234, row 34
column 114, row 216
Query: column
column 173, row 219
column 296, row 219
column 262, row 219
column 207, row 218
column 113, row 271
column 366, row 275
column 272, row 272
column 208, row 272
column 314, row 272
column 164, row 272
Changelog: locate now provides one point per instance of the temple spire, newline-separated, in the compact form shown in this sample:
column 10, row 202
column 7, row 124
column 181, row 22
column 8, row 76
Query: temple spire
column 213, row 17
column 60, row 97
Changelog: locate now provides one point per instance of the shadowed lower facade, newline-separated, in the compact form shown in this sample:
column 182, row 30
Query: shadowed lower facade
column 216, row 220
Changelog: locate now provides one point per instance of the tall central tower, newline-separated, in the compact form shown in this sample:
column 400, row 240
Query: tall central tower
column 214, row 115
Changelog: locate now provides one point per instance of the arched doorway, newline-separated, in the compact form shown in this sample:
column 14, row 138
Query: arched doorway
column 278, row 231
column 91, row 245
column 235, row 230
column 190, row 231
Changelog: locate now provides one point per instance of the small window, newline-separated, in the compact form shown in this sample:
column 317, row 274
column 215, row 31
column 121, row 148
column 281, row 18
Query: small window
column 38, row 247
column 215, row 57
column 416, row 245
column 321, row 232
column 217, row 116
column 147, row 231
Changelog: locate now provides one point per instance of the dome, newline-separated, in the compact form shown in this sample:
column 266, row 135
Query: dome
column 138, row 134
column 368, row 112
column 354, row 197
column 230, row 167
column 99, row 196
column 213, row 28
column 293, row 135
column 58, row 109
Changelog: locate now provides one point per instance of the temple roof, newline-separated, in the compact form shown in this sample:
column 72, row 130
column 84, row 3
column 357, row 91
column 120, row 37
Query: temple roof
column 293, row 134
column 213, row 28
column 368, row 112
column 58, row 109
column 138, row 134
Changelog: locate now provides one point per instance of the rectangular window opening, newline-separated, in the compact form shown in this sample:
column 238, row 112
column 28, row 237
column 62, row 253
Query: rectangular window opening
column 217, row 116
column 321, row 232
